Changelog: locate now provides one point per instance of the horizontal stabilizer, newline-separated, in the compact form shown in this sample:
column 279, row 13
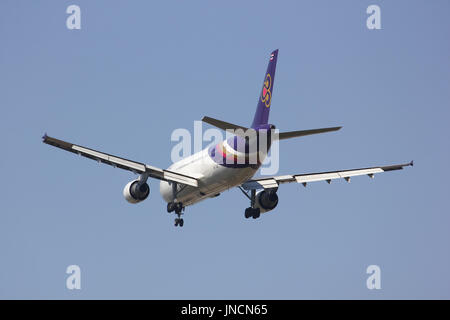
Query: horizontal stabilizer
column 222, row 124
column 282, row 135
column 301, row 133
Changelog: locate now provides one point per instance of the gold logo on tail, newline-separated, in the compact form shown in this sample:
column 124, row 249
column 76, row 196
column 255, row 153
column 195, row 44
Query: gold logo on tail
column 266, row 95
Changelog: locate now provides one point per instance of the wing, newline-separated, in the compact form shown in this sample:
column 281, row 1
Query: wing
column 117, row 162
column 274, row 182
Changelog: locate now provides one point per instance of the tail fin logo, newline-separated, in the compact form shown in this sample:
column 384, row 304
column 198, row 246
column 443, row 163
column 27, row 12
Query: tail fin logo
column 266, row 95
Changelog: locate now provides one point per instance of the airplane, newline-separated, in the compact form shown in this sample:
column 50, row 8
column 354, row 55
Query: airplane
column 228, row 164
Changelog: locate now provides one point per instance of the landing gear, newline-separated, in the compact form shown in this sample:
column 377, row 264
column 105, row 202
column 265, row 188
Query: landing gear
column 252, row 212
column 179, row 222
column 178, row 208
column 170, row 207
column 248, row 213
column 174, row 206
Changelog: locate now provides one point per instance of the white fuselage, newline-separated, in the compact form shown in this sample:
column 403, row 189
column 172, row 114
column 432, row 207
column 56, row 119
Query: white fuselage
column 213, row 178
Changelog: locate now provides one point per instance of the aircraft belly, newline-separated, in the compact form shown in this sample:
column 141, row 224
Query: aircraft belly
column 214, row 179
column 215, row 182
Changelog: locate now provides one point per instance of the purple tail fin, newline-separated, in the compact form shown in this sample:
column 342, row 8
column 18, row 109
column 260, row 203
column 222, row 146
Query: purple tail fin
column 265, row 98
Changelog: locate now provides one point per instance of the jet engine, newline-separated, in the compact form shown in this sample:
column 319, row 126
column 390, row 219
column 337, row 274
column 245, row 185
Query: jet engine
column 266, row 200
column 134, row 193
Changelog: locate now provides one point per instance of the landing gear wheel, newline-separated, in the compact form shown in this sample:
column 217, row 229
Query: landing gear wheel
column 171, row 207
column 179, row 222
column 252, row 212
column 256, row 212
column 178, row 207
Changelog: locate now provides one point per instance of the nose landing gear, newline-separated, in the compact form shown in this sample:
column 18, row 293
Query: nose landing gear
column 179, row 222
column 176, row 206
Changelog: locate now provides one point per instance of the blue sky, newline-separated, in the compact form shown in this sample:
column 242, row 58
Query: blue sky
column 138, row 70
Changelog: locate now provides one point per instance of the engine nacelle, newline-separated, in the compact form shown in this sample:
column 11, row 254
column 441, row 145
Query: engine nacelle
column 133, row 193
column 266, row 200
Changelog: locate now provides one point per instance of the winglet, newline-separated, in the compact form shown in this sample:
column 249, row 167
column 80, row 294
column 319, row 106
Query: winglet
column 44, row 137
column 411, row 163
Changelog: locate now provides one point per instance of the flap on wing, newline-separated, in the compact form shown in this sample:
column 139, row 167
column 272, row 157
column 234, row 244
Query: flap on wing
column 268, row 183
column 180, row 178
column 316, row 177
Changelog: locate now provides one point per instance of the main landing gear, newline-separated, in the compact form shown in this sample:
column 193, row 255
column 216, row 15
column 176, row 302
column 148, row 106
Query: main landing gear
column 178, row 208
column 251, row 211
